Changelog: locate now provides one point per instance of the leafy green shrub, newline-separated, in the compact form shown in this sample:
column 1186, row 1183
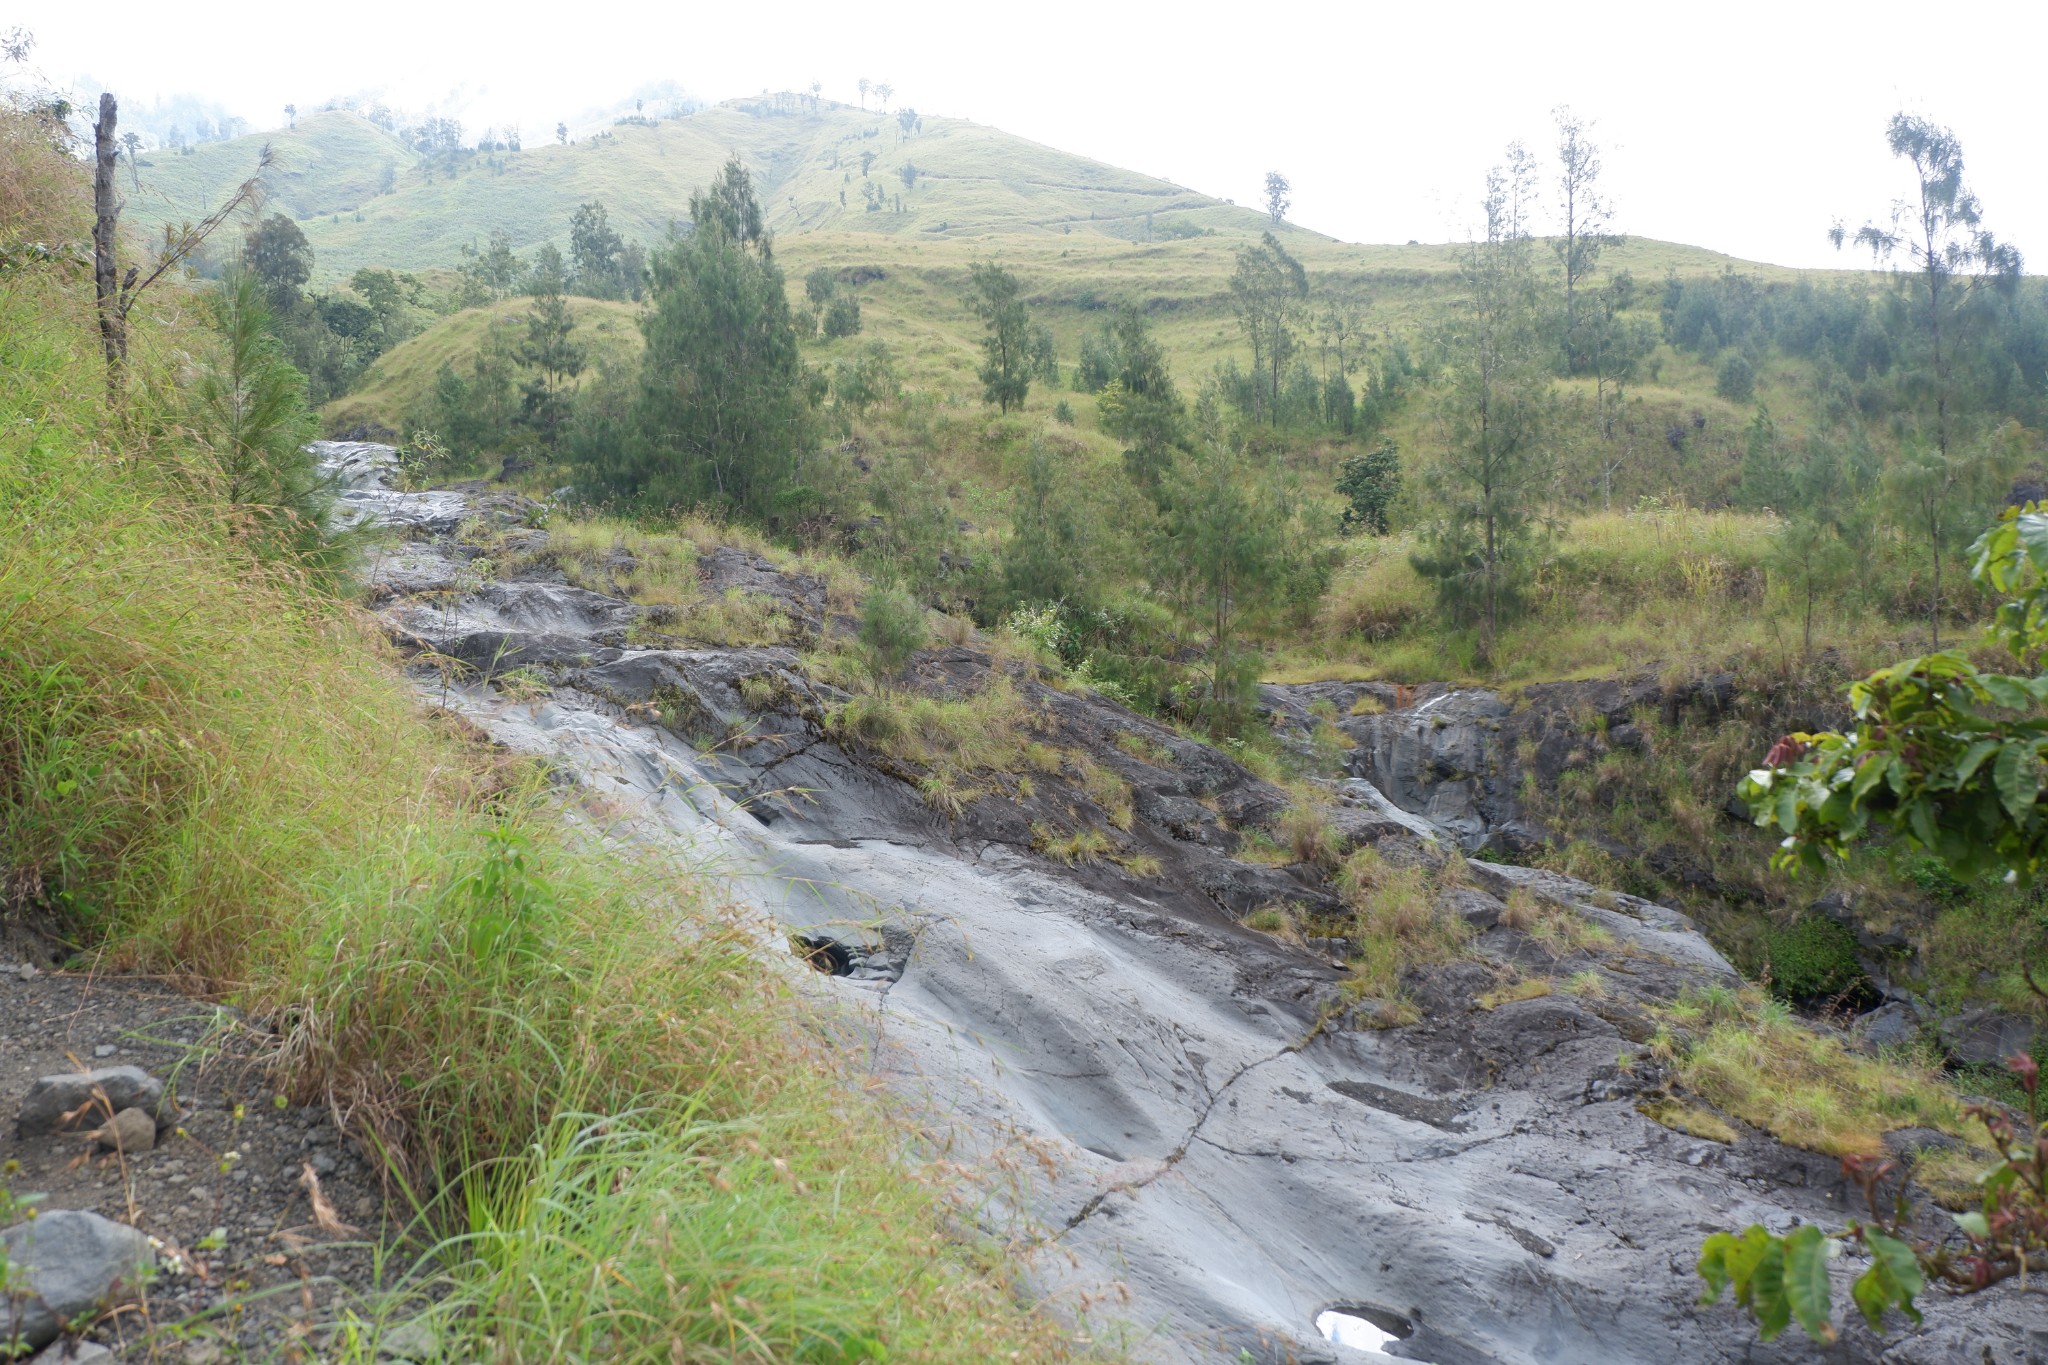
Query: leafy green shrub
column 892, row 627
column 1736, row 381
column 1814, row 959
column 842, row 317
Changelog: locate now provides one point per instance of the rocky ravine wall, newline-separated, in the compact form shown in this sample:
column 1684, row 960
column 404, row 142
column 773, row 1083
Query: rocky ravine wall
column 1480, row 1182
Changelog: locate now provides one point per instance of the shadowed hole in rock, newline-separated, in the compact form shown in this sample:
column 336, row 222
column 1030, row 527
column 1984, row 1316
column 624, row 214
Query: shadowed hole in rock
column 828, row 955
column 1362, row 1328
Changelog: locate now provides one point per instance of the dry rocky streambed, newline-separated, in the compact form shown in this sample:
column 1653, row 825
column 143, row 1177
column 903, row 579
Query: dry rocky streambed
column 1226, row 1160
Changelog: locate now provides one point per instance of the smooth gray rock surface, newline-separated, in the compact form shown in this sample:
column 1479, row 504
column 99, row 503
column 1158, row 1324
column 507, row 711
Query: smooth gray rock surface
column 71, row 1266
column 84, row 1100
column 1206, row 1144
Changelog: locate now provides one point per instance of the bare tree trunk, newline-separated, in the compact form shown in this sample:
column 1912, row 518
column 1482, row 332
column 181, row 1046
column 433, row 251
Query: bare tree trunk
column 1934, row 603
column 106, row 221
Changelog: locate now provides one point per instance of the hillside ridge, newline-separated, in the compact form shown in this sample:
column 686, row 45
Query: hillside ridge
column 365, row 197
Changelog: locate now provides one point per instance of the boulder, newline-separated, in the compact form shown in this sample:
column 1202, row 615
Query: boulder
column 68, row 1266
column 1891, row 1025
column 84, row 1100
column 1986, row 1037
column 1476, row 908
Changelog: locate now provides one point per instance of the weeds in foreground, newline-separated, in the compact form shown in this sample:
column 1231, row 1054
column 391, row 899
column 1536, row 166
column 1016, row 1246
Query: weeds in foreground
column 1779, row 1280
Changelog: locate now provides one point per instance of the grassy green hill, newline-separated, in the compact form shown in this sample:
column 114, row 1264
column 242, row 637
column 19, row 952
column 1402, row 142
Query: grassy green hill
column 970, row 181
column 331, row 163
column 914, row 301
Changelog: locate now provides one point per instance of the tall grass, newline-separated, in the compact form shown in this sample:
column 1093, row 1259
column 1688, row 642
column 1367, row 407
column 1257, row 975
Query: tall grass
column 579, row 1067
column 1748, row 1056
column 1618, row 591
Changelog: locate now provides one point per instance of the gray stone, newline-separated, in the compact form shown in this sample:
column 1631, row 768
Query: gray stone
column 105, row 1050
column 416, row 1340
column 1892, row 1025
column 132, row 1131
column 1476, row 908
column 84, row 1100
column 70, row 1266
column 1985, row 1037
column 71, row 1352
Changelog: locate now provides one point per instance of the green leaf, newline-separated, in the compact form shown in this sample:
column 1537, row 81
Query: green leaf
column 1973, row 758
column 1727, row 1259
column 1713, row 1265
column 1973, row 1223
column 2018, row 777
column 2031, row 531
column 1787, row 809
column 1806, row 1282
column 2011, row 693
column 1767, row 1297
column 1897, row 1269
column 1920, row 817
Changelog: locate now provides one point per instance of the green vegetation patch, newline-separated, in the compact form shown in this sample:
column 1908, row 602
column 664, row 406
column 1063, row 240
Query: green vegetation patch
column 1813, row 959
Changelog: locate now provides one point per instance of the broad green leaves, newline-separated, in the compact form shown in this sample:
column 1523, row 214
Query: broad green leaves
column 1782, row 1280
column 1892, row 1280
column 1942, row 752
column 1806, row 1281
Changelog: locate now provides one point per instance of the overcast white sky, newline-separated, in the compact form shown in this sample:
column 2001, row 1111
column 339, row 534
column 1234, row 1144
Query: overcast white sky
column 1743, row 127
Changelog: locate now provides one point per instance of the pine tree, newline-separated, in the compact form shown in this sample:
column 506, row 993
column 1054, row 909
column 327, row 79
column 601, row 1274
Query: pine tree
column 1006, row 349
column 249, row 408
column 1490, row 481
column 548, row 350
column 722, row 413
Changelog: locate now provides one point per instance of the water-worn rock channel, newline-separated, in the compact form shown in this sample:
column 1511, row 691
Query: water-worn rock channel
column 1479, row 1183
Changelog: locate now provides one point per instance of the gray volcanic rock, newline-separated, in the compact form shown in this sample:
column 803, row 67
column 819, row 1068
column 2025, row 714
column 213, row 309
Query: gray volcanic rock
column 84, row 1100
column 800, row 595
column 1442, row 760
column 1217, row 1141
column 1986, row 1037
column 68, row 1266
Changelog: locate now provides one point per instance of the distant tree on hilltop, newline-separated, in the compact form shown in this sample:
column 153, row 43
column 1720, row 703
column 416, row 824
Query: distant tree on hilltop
column 1585, row 232
column 1277, row 202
